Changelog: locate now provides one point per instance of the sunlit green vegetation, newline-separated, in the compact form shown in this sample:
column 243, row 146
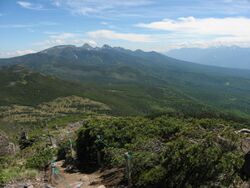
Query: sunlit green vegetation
column 178, row 120
column 60, row 107
column 166, row 151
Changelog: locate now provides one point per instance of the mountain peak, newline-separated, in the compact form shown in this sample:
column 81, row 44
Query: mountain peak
column 105, row 46
column 87, row 46
column 139, row 50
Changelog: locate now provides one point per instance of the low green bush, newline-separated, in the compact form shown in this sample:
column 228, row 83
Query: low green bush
column 166, row 151
column 152, row 177
column 40, row 159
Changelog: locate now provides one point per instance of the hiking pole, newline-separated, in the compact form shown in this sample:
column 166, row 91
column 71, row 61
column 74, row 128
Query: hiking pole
column 53, row 171
column 128, row 157
column 56, row 173
column 98, row 143
column 71, row 148
column 50, row 139
column 70, row 144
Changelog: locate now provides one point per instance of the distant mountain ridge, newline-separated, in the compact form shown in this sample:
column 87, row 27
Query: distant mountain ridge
column 142, row 82
column 233, row 57
column 87, row 54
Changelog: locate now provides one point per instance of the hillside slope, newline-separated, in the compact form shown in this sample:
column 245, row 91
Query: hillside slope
column 21, row 86
column 137, row 81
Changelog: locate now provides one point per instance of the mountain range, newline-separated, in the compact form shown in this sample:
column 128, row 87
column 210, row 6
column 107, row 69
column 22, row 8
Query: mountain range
column 234, row 57
column 130, row 82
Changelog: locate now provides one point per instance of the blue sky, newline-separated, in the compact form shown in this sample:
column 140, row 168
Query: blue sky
column 160, row 25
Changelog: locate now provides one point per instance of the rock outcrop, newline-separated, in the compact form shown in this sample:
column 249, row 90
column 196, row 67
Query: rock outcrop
column 6, row 147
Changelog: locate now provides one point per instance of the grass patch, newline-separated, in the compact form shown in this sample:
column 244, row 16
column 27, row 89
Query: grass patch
column 12, row 174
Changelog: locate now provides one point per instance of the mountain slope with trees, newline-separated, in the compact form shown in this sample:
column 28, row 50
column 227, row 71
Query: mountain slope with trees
column 144, row 82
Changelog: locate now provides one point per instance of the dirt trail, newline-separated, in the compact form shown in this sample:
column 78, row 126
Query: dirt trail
column 77, row 179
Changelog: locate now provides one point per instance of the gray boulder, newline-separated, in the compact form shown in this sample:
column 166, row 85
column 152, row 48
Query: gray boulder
column 6, row 147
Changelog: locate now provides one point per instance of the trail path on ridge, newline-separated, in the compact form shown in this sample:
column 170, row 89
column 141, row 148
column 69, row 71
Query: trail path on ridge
column 77, row 179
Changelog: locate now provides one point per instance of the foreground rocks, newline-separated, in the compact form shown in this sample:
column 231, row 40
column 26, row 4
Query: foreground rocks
column 27, row 184
column 6, row 147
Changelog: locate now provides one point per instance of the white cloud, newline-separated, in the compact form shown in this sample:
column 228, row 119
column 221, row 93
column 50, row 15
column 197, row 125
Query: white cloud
column 54, row 42
column 40, row 24
column 85, row 7
column 5, row 54
column 30, row 30
column 63, row 39
column 112, row 35
column 205, row 26
column 64, row 36
column 56, row 3
column 104, row 23
column 50, row 32
column 189, row 43
column 32, row 6
column 202, row 32
column 236, row 1
column 16, row 26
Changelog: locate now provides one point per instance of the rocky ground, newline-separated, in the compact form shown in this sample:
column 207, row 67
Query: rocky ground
column 63, row 180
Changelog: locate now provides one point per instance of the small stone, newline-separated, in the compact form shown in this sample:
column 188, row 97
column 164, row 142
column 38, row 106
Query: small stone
column 101, row 186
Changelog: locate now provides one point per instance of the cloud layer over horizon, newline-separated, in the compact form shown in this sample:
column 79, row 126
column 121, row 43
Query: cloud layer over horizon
column 29, row 26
